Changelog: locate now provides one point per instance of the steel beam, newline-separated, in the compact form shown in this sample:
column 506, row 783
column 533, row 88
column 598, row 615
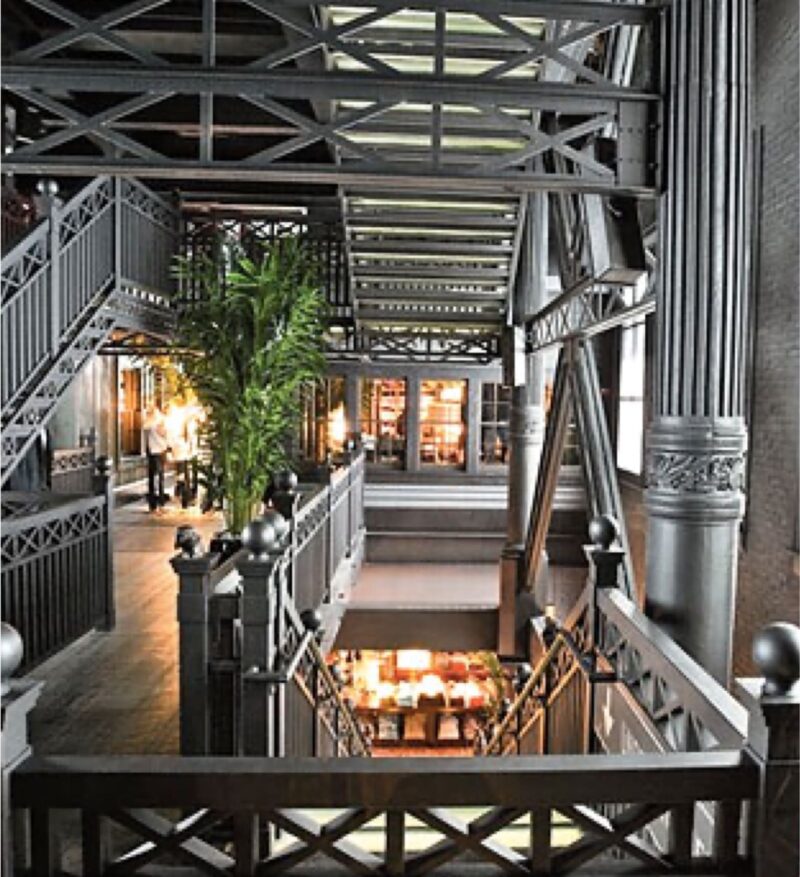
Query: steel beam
column 326, row 85
column 587, row 309
column 402, row 179
column 577, row 10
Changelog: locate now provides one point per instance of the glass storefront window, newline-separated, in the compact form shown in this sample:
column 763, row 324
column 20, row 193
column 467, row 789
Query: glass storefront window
column 383, row 420
column 442, row 410
column 324, row 430
column 495, row 414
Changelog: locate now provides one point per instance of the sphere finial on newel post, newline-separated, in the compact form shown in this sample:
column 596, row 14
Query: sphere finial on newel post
column 11, row 652
column 776, row 653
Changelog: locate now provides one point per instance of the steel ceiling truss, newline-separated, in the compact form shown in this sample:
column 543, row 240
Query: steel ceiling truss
column 454, row 102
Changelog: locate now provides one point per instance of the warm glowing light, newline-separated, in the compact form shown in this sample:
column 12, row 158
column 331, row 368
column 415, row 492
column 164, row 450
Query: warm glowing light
column 182, row 422
column 337, row 428
column 413, row 660
column 431, row 685
column 451, row 394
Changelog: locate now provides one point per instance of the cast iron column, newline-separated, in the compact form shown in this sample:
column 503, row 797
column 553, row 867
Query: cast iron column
column 526, row 433
column 696, row 447
column 527, row 421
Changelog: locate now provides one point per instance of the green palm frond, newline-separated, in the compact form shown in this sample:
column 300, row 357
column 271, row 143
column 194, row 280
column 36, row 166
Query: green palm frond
column 254, row 341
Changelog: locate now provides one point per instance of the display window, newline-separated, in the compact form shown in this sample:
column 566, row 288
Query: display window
column 442, row 414
column 495, row 417
column 417, row 698
column 383, row 420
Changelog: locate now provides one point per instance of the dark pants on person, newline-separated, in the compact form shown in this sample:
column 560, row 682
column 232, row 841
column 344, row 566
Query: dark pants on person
column 155, row 480
column 183, row 486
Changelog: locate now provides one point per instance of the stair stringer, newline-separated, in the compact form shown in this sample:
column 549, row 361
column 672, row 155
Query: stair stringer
column 23, row 426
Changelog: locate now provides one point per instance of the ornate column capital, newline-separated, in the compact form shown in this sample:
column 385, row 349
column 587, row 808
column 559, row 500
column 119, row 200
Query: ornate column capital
column 696, row 468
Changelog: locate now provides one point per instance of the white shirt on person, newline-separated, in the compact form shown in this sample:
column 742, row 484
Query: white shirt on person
column 155, row 434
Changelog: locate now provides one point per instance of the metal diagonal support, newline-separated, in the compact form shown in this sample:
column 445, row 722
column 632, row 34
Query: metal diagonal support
column 99, row 28
column 324, row 38
column 313, row 131
column 603, row 833
column 586, row 309
column 330, row 38
column 577, row 391
column 93, row 126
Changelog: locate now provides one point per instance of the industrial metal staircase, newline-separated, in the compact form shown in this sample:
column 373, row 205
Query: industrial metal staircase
column 99, row 262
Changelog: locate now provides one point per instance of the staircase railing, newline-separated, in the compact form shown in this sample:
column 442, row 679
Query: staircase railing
column 57, row 576
column 98, row 261
column 243, row 798
column 607, row 649
column 525, row 727
column 253, row 679
column 672, row 811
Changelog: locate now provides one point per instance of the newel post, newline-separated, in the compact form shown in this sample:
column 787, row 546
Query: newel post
column 17, row 698
column 194, row 569
column 774, row 741
column 605, row 556
column 104, row 486
column 47, row 203
column 259, row 613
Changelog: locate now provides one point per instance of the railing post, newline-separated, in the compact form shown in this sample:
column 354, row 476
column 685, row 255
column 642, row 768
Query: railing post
column 605, row 558
column 17, row 698
column 286, row 500
column 104, row 486
column 540, row 842
column 117, row 189
column 259, row 651
column 328, row 528
column 47, row 204
column 194, row 591
column 774, row 742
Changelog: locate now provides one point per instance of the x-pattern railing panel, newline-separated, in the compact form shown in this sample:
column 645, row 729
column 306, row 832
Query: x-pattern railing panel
column 586, row 309
column 688, row 709
column 461, row 346
column 477, row 832
column 54, row 528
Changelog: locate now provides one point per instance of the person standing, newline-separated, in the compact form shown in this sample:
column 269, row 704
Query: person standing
column 156, row 446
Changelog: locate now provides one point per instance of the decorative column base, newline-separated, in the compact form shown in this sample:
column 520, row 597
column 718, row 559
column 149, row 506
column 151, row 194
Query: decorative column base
column 695, row 475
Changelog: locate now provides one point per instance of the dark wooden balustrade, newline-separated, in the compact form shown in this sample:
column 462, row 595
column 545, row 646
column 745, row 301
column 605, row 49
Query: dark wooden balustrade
column 242, row 796
column 253, row 679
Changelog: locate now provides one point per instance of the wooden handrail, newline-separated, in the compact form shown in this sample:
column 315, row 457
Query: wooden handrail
column 699, row 693
column 562, row 640
column 239, row 784
column 345, row 710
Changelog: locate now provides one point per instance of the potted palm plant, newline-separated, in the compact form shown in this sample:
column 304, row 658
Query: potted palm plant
column 250, row 339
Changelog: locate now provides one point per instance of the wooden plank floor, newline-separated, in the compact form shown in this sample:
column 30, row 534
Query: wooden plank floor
column 117, row 692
